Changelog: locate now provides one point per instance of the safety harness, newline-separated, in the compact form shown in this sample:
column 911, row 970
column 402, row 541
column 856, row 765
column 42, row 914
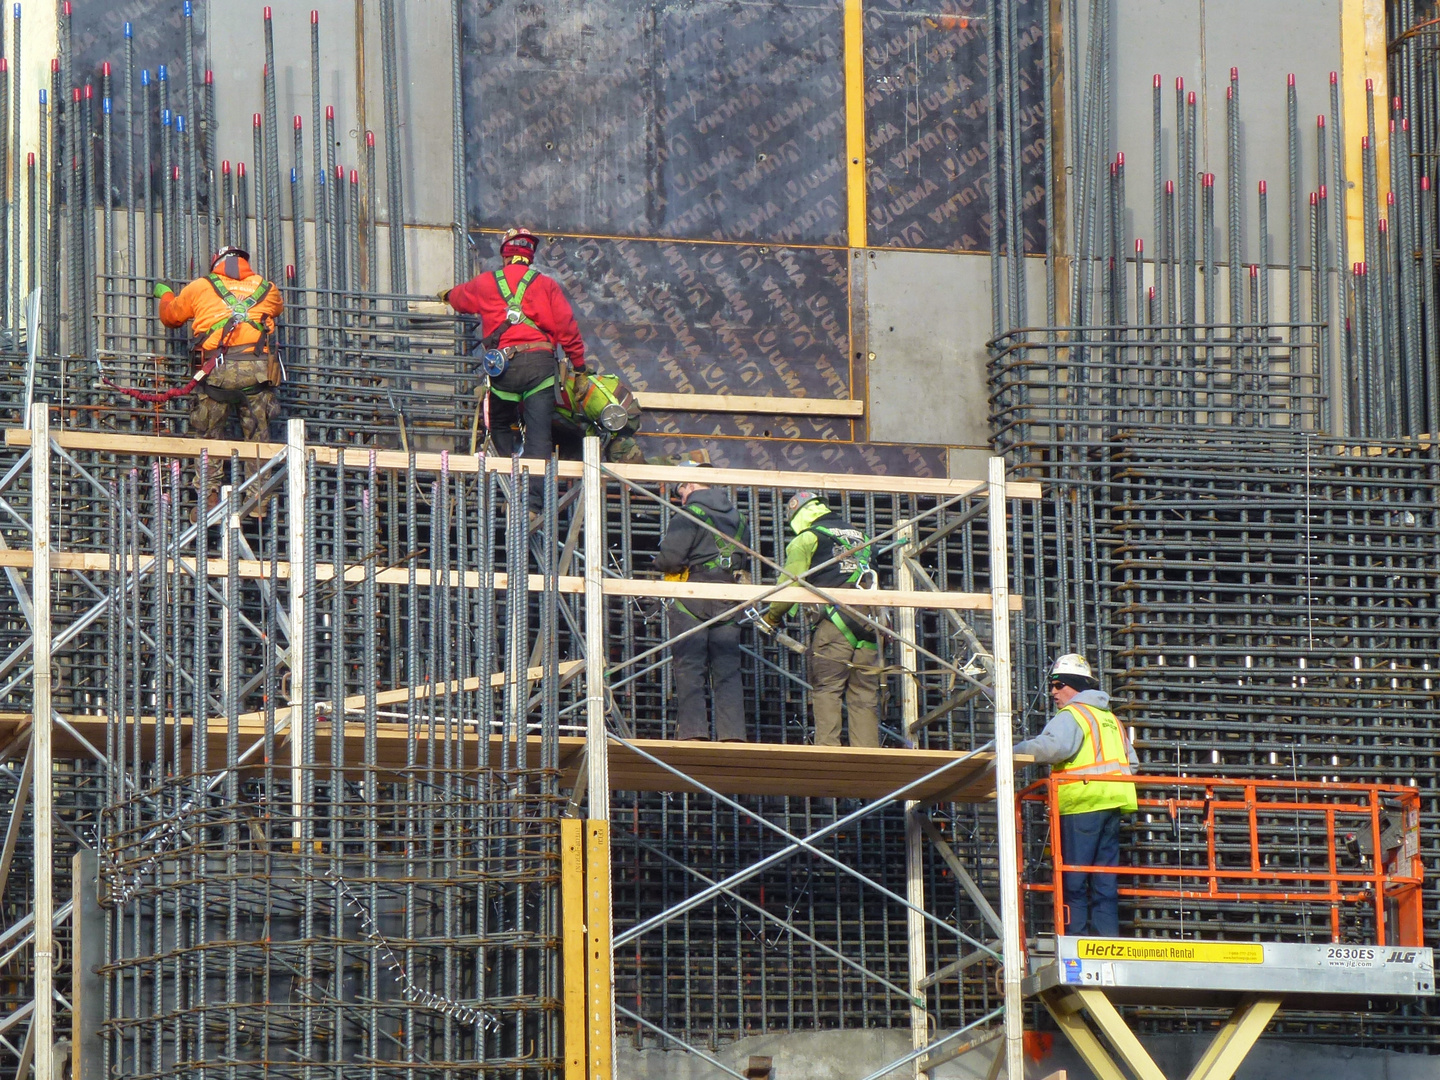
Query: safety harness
column 853, row 570
column 724, row 561
column 495, row 360
column 239, row 316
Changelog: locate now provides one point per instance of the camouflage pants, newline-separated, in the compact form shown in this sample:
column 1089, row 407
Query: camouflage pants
column 209, row 418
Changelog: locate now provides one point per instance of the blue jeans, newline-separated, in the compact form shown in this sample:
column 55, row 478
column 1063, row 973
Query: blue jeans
column 1092, row 901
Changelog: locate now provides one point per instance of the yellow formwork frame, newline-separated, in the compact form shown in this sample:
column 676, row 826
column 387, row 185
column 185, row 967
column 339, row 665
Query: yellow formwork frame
column 1362, row 59
column 855, row 171
column 599, row 1007
column 572, row 944
column 586, row 953
column 1070, row 1008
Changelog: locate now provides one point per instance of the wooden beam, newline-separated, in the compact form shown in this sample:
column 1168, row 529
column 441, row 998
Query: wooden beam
column 358, row 457
column 740, row 403
column 798, row 594
column 793, row 769
column 639, row 587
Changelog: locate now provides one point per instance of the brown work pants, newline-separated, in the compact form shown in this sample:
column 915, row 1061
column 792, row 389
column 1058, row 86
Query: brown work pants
column 208, row 417
column 839, row 672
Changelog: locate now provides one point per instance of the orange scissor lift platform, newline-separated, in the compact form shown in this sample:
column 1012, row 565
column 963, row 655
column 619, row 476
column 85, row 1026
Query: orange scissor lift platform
column 1366, row 838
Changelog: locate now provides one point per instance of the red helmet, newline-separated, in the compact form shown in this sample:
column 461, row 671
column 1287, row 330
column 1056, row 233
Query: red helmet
column 519, row 243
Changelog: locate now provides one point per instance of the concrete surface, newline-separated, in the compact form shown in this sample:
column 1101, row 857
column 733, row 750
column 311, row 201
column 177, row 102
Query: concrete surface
column 1200, row 41
column 928, row 316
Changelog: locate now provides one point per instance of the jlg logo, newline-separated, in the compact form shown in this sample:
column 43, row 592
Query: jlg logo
column 1398, row 957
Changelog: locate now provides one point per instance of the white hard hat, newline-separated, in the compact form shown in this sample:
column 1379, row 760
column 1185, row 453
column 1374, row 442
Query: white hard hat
column 1073, row 666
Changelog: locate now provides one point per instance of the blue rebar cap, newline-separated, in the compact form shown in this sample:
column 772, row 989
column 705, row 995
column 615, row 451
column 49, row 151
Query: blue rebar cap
column 163, row 73
column 165, row 117
column 127, row 30
column 145, row 77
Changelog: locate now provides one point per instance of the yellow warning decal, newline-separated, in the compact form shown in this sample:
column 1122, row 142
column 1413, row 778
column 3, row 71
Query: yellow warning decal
column 1172, row 952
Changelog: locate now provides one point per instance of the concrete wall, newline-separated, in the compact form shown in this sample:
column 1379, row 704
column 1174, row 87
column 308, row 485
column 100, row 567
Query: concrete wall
column 1200, row 41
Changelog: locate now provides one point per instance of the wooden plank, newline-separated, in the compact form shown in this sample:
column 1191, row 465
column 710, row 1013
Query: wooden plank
column 572, row 944
column 740, row 403
column 730, row 768
column 821, row 481
column 356, row 702
column 394, row 575
column 797, row 594
column 599, row 1005
column 359, row 457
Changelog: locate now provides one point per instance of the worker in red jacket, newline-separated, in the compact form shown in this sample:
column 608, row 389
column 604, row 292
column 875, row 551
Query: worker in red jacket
column 524, row 315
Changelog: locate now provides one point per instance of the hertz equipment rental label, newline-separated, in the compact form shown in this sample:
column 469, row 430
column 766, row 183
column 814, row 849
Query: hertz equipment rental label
column 1172, row 952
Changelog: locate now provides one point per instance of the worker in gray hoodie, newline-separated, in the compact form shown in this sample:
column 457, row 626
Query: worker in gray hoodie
column 691, row 552
column 1085, row 739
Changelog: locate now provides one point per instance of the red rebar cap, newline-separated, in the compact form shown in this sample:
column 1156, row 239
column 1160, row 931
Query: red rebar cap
column 1314, row 198
column 1290, row 79
column 240, row 168
column 267, row 15
column 369, row 138
column 1169, row 187
column 329, row 112
column 1424, row 183
column 354, row 176
column 314, row 16
column 1191, row 99
column 1320, row 120
column 297, row 123
column 105, row 69
column 1262, row 187
column 225, row 167
column 1324, row 193
column 1157, row 82
column 257, row 119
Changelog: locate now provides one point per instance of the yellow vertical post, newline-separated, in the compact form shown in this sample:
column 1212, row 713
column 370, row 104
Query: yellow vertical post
column 1362, row 60
column 855, row 121
column 599, row 1007
column 572, row 943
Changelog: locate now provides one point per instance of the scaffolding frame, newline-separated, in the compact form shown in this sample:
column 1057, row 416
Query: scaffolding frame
column 285, row 472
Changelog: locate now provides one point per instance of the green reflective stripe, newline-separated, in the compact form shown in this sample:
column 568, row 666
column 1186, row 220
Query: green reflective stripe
column 513, row 300
column 511, row 395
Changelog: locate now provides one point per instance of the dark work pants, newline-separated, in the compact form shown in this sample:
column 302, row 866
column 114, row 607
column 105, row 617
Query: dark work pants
column 537, row 413
column 1092, row 900
column 712, row 655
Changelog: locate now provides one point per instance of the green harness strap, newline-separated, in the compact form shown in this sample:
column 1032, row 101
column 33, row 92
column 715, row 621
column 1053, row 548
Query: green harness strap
column 725, row 549
column 239, row 310
column 513, row 300
column 516, row 317
column 862, row 557
column 508, row 395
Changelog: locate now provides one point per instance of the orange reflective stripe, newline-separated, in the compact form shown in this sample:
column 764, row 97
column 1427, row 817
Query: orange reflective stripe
column 1100, row 763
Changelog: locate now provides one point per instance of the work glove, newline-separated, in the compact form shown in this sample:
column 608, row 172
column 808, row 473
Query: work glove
column 766, row 625
column 444, row 296
column 162, row 290
column 580, row 369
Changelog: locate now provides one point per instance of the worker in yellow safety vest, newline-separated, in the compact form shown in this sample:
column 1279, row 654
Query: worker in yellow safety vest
column 1085, row 739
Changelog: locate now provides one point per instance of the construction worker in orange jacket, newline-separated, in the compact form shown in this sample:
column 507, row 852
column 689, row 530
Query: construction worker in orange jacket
column 232, row 312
